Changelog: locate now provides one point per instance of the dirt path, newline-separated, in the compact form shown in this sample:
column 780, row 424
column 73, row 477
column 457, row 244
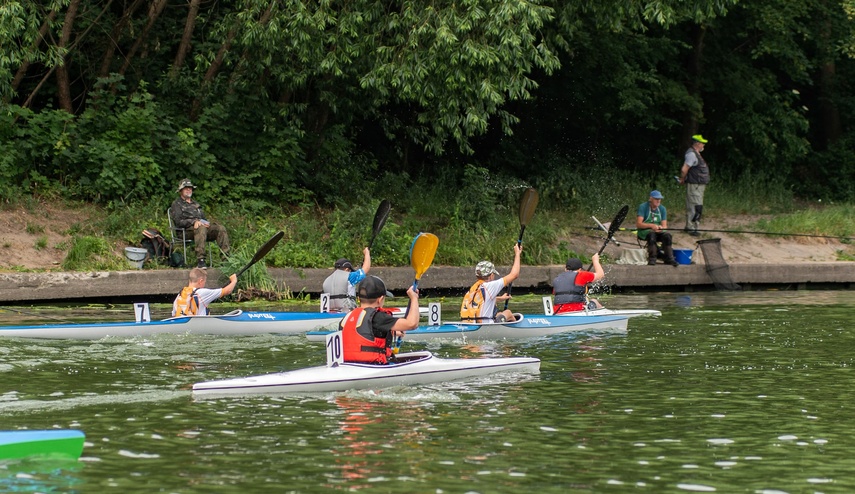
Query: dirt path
column 736, row 248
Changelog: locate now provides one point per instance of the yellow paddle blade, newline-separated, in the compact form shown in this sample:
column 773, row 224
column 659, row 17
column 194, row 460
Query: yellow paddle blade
column 422, row 252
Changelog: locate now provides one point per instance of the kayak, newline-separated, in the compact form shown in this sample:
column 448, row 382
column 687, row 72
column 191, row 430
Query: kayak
column 610, row 312
column 27, row 443
column 409, row 369
column 526, row 326
column 235, row 323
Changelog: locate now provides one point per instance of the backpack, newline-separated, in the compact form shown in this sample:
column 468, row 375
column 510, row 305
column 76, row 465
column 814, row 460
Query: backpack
column 157, row 246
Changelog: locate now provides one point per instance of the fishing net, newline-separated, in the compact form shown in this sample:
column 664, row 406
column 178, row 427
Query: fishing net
column 715, row 265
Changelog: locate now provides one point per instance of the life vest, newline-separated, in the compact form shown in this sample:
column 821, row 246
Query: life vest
column 187, row 302
column 470, row 309
column 358, row 340
column 653, row 216
column 700, row 173
column 337, row 285
column 567, row 291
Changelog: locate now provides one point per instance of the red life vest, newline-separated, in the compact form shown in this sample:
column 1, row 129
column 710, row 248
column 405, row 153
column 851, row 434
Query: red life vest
column 358, row 340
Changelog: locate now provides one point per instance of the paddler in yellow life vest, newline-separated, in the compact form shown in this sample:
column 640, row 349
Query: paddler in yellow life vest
column 368, row 330
column 194, row 298
column 479, row 303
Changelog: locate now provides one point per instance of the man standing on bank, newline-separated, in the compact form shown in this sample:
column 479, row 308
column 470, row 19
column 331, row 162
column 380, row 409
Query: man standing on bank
column 650, row 225
column 696, row 175
column 187, row 214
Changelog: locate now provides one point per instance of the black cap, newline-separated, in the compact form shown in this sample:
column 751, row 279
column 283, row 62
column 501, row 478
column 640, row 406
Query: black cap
column 371, row 287
column 343, row 263
column 573, row 264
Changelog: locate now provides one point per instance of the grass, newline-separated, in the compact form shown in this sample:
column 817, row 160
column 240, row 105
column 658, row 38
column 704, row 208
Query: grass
column 474, row 214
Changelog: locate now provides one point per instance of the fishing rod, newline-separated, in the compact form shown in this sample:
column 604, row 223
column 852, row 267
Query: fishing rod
column 746, row 232
column 34, row 314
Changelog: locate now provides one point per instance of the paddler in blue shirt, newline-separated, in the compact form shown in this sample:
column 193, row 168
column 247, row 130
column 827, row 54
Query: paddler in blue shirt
column 367, row 332
column 341, row 285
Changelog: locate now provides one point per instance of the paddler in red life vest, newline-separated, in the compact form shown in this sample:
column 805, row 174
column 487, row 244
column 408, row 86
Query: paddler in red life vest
column 570, row 288
column 479, row 303
column 367, row 332
column 194, row 298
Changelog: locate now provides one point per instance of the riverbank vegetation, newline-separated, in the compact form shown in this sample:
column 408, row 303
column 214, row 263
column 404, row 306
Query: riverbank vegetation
column 302, row 116
column 479, row 222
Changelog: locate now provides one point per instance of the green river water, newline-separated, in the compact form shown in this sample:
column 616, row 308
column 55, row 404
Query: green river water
column 726, row 392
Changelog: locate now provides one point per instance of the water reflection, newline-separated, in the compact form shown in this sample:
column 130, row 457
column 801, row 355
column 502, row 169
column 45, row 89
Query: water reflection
column 736, row 392
column 43, row 474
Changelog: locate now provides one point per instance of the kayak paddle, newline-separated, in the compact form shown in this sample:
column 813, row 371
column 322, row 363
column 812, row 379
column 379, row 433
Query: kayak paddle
column 379, row 219
column 263, row 251
column 421, row 256
column 619, row 217
column 527, row 205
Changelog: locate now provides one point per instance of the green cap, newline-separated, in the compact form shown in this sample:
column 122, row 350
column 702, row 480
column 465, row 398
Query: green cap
column 699, row 138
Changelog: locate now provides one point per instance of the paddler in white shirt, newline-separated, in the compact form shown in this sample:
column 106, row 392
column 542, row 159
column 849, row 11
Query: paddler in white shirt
column 194, row 298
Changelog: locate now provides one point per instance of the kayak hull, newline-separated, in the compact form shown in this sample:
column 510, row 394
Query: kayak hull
column 414, row 368
column 526, row 326
column 236, row 323
column 29, row 443
column 612, row 312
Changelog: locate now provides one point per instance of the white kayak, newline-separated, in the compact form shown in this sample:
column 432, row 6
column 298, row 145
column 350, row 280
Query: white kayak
column 526, row 326
column 235, row 323
column 602, row 311
column 410, row 368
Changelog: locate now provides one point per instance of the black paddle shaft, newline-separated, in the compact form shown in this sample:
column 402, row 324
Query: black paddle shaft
column 527, row 206
column 379, row 220
column 263, row 251
column 619, row 217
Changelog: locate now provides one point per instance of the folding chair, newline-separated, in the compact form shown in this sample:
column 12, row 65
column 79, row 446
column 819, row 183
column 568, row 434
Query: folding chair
column 180, row 236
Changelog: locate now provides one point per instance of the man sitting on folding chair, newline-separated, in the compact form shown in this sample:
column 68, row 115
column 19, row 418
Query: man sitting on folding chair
column 187, row 214
column 651, row 223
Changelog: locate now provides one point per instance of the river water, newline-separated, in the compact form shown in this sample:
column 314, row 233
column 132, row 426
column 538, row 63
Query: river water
column 725, row 392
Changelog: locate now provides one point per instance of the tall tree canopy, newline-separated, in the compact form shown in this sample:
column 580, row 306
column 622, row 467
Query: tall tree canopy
column 297, row 99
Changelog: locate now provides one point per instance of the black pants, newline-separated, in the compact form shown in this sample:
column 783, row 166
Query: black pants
column 665, row 238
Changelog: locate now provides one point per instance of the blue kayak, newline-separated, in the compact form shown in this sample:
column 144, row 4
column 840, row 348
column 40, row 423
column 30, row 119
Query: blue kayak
column 526, row 326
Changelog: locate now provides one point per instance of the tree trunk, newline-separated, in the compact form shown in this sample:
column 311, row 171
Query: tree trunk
column 154, row 12
column 115, row 36
column 212, row 71
column 829, row 113
column 186, row 39
column 22, row 70
column 693, row 72
column 63, row 84
column 265, row 18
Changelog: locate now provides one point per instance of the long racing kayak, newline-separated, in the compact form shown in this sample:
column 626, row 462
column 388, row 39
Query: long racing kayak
column 235, row 323
column 526, row 326
column 28, row 443
column 409, row 369
column 612, row 312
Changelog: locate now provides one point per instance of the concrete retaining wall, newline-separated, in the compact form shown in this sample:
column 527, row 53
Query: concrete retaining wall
column 23, row 287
